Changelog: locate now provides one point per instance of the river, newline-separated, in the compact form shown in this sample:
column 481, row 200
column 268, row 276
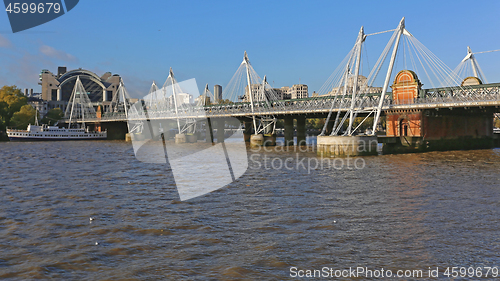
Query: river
column 392, row 212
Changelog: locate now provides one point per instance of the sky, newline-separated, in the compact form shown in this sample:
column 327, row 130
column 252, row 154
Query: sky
column 291, row 42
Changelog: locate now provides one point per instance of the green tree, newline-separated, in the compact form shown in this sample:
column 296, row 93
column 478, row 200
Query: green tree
column 23, row 117
column 315, row 123
column 53, row 116
column 11, row 101
column 2, row 125
column 4, row 107
column 226, row 101
column 496, row 123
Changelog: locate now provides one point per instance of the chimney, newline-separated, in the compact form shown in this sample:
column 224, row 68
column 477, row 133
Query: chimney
column 26, row 92
column 31, row 92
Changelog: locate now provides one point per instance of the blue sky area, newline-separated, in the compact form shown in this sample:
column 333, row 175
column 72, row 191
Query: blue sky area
column 289, row 41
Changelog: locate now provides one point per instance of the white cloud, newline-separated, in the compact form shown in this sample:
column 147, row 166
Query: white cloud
column 57, row 54
column 4, row 42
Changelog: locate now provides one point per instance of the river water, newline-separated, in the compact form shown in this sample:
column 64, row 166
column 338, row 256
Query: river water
column 391, row 212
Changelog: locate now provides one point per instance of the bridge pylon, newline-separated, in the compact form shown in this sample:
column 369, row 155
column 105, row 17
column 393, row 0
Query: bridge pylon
column 258, row 95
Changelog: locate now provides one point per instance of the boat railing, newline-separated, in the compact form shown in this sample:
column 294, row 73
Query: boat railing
column 15, row 130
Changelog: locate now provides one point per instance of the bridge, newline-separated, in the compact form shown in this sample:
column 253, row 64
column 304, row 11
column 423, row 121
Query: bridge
column 344, row 97
column 481, row 96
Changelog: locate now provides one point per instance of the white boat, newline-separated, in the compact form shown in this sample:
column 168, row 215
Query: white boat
column 54, row 133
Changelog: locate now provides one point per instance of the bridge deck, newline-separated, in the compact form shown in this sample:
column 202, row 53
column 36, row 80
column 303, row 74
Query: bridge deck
column 487, row 95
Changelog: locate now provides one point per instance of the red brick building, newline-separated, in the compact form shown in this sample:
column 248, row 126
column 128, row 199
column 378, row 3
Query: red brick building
column 433, row 129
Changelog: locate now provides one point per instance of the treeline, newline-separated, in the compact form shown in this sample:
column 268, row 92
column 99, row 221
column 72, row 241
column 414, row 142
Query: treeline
column 14, row 108
column 15, row 112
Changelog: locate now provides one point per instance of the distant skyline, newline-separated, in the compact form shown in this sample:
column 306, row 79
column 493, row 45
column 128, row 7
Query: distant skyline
column 291, row 42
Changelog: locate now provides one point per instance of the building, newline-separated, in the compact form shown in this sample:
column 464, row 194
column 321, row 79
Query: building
column 202, row 100
column 298, row 91
column 60, row 86
column 430, row 129
column 362, row 87
column 182, row 98
column 279, row 93
column 257, row 94
column 285, row 93
column 39, row 105
column 217, row 93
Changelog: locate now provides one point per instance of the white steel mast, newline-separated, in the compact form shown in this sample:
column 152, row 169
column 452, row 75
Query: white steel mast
column 247, row 64
column 400, row 29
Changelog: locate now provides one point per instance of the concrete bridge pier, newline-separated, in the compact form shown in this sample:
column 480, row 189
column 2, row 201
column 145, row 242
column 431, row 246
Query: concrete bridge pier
column 248, row 131
column 192, row 138
column 346, row 146
column 257, row 140
column 180, row 138
column 288, row 120
column 116, row 130
column 269, row 136
column 301, row 130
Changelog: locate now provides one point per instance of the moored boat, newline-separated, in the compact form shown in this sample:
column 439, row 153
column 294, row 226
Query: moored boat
column 53, row 133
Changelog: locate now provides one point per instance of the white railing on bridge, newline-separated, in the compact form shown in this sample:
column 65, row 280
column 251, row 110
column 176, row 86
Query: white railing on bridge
column 487, row 95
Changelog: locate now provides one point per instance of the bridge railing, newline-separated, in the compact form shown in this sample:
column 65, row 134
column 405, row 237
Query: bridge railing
column 433, row 97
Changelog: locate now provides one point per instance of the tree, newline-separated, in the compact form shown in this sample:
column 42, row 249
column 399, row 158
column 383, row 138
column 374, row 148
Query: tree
column 11, row 99
column 315, row 123
column 53, row 116
column 226, row 101
column 2, row 125
column 4, row 108
column 496, row 123
column 23, row 117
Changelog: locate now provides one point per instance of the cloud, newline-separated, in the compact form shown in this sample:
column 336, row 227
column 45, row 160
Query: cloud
column 4, row 42
column 57, row 54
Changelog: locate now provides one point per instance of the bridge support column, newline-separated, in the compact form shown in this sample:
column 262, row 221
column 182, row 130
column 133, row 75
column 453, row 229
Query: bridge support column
column 220, row 130
column 346, row 146
column 288, row 130
column 180, row 138
column 248, row 131
column 192, row 138
column 209, row 133
column 301, row 130
column 269, row 135
column 257, row 140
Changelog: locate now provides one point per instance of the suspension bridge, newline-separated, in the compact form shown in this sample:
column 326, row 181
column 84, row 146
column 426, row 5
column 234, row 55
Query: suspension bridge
column 409, row 109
